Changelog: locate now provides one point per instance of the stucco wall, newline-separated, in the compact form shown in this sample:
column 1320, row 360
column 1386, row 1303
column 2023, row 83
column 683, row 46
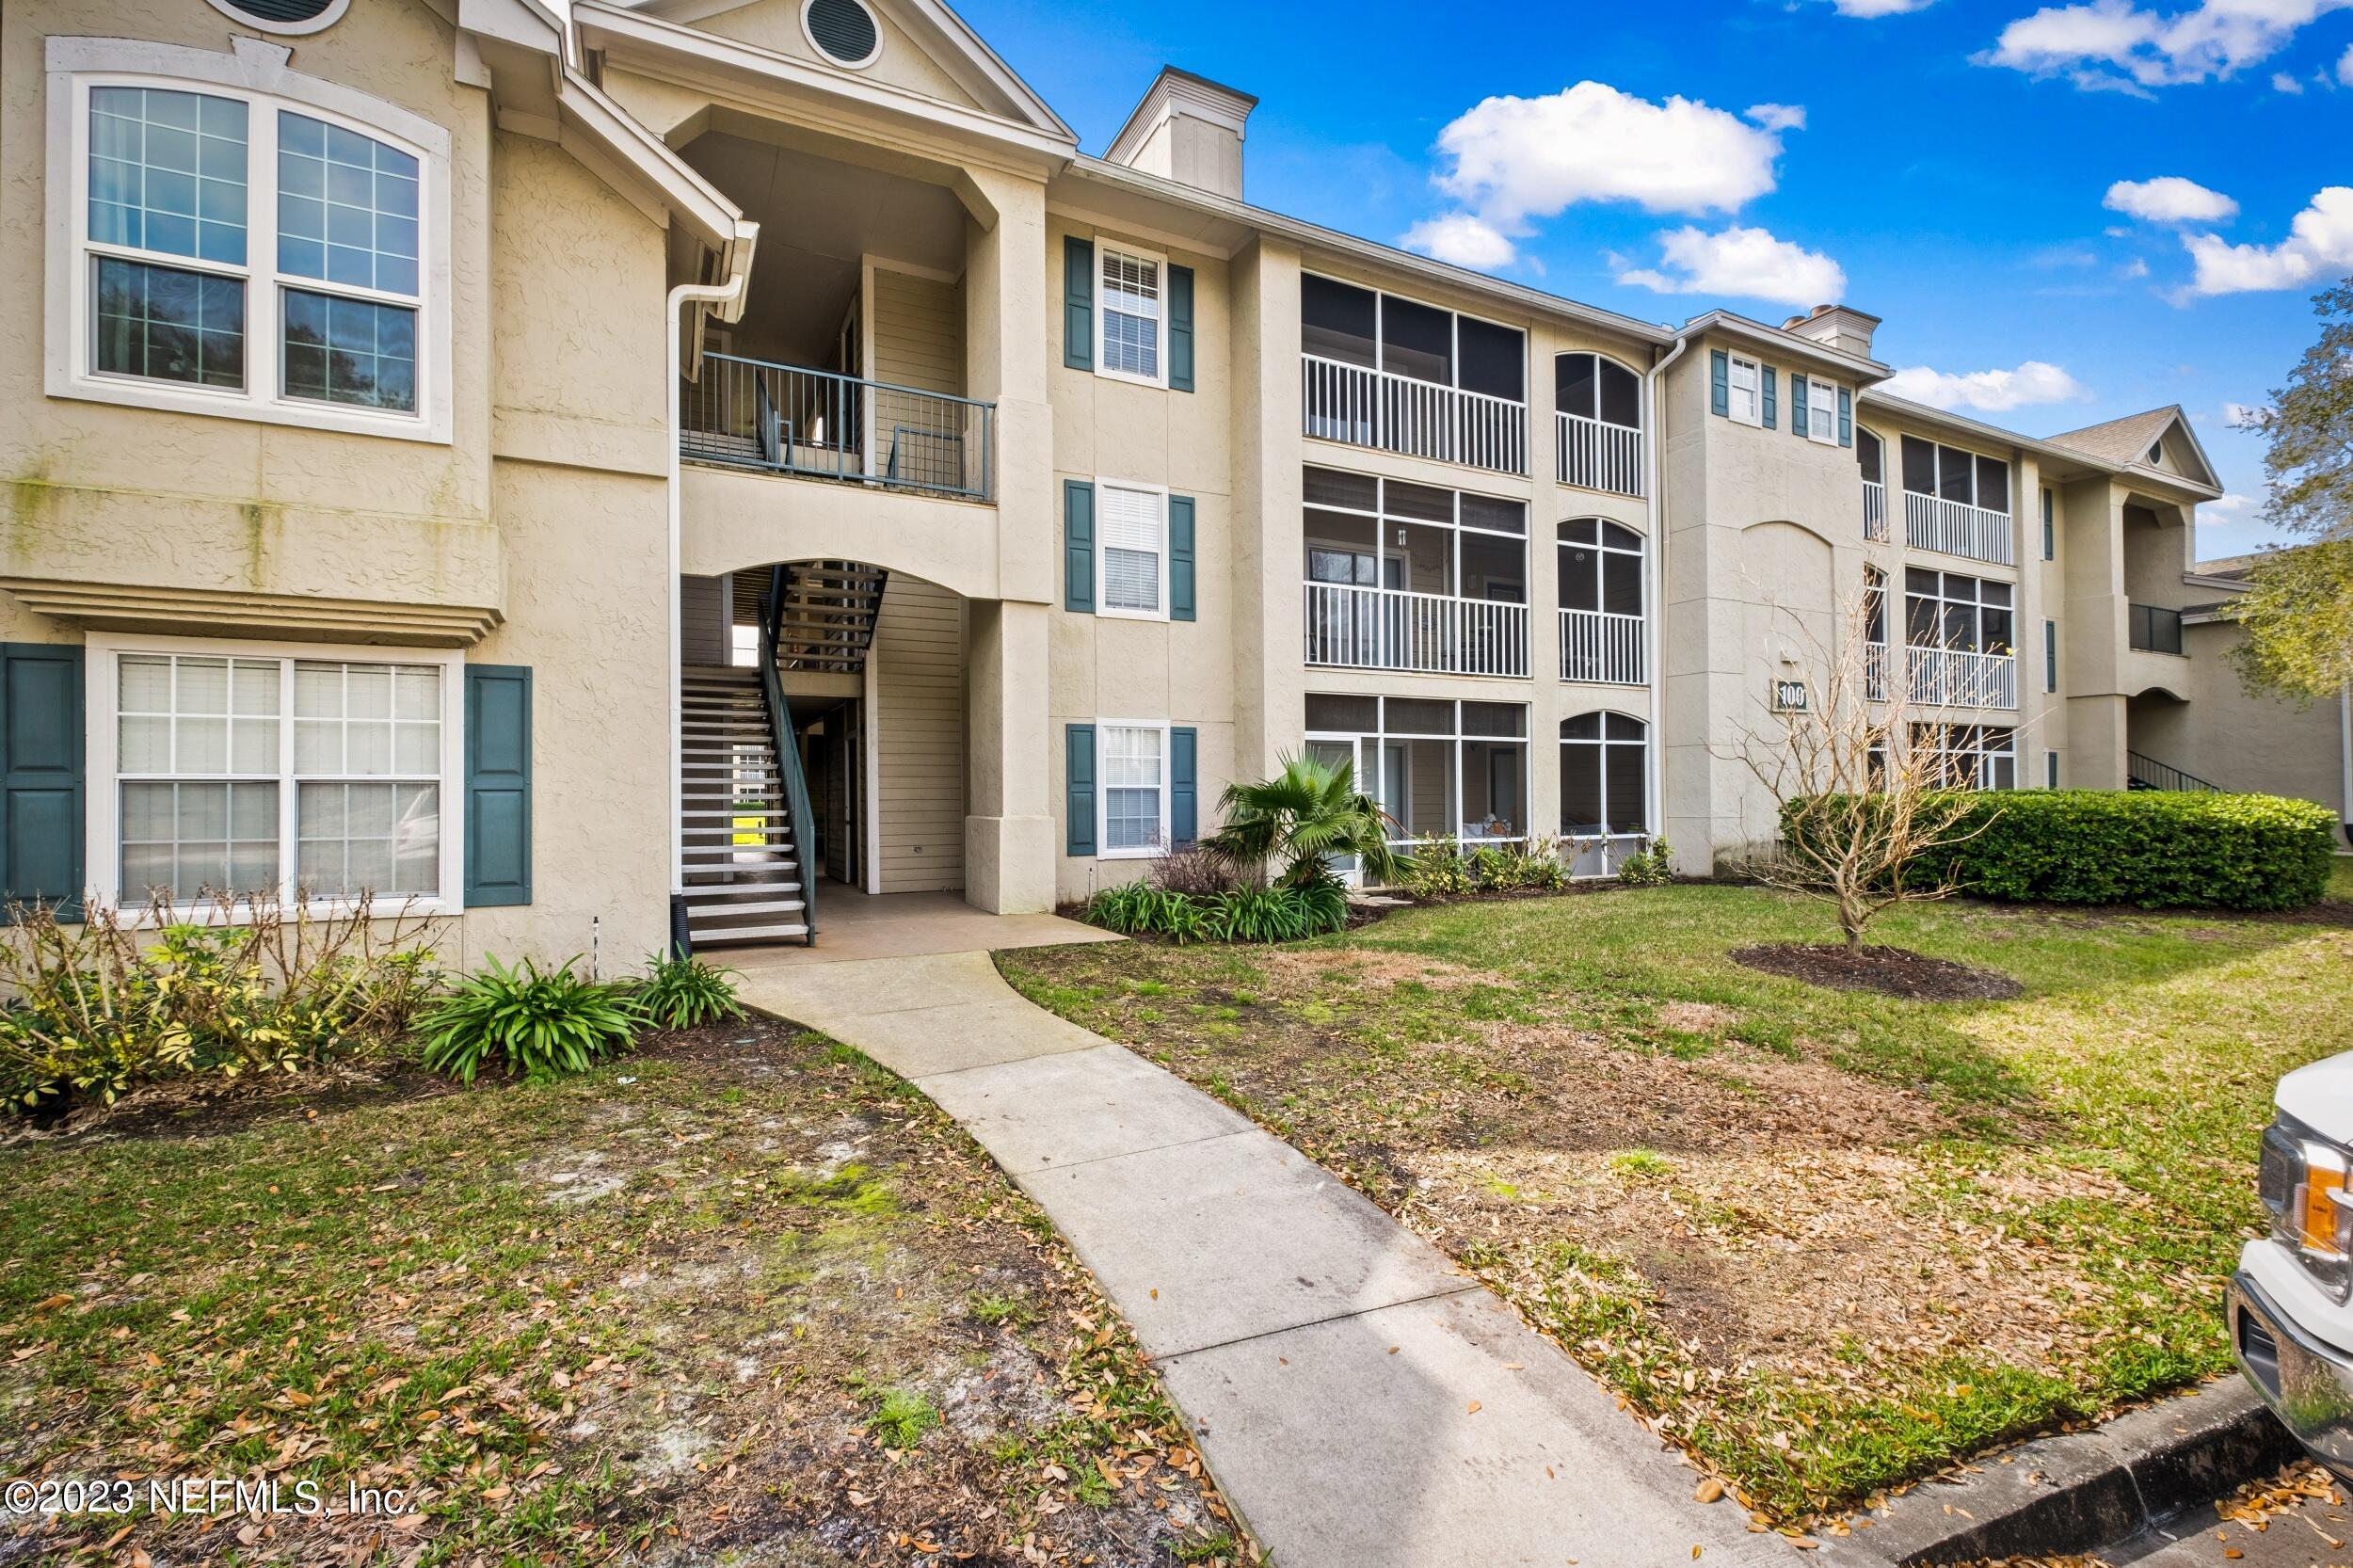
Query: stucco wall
column 918, row 716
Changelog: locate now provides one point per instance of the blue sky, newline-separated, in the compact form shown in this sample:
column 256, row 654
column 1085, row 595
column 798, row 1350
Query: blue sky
column 1952, row 168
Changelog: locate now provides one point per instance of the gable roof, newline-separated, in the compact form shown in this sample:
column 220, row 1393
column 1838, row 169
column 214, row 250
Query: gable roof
column 935, row 28
column 2125, row 443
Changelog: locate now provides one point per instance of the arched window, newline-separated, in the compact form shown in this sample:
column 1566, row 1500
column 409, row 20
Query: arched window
column 1601, row 567
column 1605, row 791
column 1593, row 386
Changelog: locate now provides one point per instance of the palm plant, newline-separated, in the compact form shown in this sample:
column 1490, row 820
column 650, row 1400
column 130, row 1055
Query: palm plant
column 1302, row 818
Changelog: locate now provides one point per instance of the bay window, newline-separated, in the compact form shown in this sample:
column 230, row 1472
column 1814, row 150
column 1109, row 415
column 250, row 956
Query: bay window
column 292, row 775
column 275, row 256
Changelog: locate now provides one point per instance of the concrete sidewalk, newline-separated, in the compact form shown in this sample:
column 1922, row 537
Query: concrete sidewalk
column 1363, row 1403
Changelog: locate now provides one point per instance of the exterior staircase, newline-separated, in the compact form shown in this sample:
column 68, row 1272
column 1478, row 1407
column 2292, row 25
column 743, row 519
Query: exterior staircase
column 828, row 615
column 2147, row 773
column 744, row 866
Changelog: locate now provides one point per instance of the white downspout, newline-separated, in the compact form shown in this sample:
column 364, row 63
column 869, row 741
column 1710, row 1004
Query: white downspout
column 682, row 296
column 2345, row 741
column 1654, row 581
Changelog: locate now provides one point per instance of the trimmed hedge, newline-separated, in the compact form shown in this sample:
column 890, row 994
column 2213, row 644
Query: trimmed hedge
column 2158, row 849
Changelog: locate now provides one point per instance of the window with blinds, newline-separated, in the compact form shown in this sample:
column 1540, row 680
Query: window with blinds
column 1133, row 527
column 1131, row 315
column 1134, row 786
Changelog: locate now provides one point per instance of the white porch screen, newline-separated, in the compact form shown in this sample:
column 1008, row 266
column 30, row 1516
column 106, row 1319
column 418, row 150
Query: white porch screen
column 1132, row 787
column 1131, row 548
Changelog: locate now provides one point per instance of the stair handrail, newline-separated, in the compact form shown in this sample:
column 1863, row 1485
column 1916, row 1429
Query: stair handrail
column 2151, row 774
column 788, row 755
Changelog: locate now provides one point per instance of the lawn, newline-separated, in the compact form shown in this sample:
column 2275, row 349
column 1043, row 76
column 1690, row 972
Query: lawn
column 742, row 1295
column 1825, row 1240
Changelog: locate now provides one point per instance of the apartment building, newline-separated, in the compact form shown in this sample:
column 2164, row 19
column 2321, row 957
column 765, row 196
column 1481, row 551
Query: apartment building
column 705, row 459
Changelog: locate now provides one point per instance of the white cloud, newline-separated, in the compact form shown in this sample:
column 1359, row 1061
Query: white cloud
column 1994, row 390
column 1778, row 117
column 2319, row 240
column 2283, row 82
column 2344, row 67
column 2235, row 414
column 2134, row 268
column 2170, row 199
column 2228, row 509
column 1879, row 7
column 1749, row 263
column 2113, row 43
column 1463, row 238
column 1514, row 159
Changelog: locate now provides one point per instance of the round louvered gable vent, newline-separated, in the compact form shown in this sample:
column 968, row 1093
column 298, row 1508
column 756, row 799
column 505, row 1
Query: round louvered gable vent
column 285, row 16
column 844, row 31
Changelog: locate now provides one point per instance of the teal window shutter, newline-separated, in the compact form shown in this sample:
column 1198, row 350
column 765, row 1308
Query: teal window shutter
column 1180, row 328
column 1184, row 786
column 1797, row 405
column 1719, row 375
column 1077, row 302
column 1079, row 787
column 1846, row 417
column 41, row 761
column 497, row 785
column 1764, row 378
column 1180, row 557
column 1077, row 546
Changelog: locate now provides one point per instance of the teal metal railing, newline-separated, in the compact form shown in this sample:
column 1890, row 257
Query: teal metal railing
column 800, row 820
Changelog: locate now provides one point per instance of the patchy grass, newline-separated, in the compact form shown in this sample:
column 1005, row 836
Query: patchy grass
column 1827, row 1241
column 743, row 1296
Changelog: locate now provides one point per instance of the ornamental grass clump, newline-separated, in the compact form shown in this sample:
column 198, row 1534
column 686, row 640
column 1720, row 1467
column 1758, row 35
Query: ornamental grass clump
column 251, row 987
column 681, row 992
column 530, row 1023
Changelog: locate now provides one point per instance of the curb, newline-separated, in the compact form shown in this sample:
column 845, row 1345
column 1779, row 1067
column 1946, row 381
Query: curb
column 2074, row 1494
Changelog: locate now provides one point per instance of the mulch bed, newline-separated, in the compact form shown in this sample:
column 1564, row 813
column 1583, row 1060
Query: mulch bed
column 1891, row 971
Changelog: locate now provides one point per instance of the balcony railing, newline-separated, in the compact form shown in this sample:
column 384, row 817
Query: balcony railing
column 1380, row 409
column 1955, row 678
column 1874, row 511
column 1956, row 528
column 785, row 419
column 2154, row 628
column 1597, row 645
column 1599, row 455
column 1389, row 629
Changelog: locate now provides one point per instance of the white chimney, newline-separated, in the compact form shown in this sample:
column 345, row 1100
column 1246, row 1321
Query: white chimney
column 1188, row 129
column 1838, row 326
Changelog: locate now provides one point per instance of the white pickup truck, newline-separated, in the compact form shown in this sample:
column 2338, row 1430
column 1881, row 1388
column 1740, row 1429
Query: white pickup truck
column 2287, row 1307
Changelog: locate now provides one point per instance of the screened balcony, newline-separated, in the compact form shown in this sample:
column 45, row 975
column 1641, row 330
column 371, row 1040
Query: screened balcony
column 1601, row 602
column 1412, row 577
column 1870, row 454
column 1598, row 423
column 1957, row 503
column 1397, row 376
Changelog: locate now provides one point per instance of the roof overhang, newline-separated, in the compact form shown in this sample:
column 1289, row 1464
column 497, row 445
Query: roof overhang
column 1787, row 344
column 1225, row 226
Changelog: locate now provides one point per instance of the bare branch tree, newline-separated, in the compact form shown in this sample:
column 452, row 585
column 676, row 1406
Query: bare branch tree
column 1866, row 793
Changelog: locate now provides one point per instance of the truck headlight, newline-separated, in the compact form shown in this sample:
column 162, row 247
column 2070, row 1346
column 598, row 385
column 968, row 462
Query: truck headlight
column 2304, row 1185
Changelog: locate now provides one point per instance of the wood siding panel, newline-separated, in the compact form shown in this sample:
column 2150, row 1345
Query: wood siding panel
column 919, row 649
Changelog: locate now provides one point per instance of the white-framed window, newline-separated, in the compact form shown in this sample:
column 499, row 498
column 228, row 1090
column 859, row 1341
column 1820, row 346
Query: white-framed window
column 299, row 771
column 1132, row 551
column 1745, row 378
column 214, row 248
column 1969, row 756
column 1132, row 321
column 1131, row 809
column 1821, row 412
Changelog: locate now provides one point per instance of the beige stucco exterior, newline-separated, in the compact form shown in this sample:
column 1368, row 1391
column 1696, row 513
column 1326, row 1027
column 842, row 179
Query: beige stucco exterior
column 903, row 225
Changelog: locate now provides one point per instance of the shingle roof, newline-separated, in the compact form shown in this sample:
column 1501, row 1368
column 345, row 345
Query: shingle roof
column 2122, row 440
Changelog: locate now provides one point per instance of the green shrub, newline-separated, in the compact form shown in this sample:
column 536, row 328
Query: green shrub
column 1438, row 869
column 685, row 993
column 1650, row 867
column 531, row 1024
column 2158, row 849
column 1283, row 913
column 97, row 1008
column 1143, row 909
